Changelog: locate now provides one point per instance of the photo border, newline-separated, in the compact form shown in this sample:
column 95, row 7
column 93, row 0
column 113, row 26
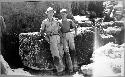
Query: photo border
column 51, row 0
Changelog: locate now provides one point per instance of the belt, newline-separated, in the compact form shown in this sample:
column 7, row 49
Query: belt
column 54, row 34
column 67, row 32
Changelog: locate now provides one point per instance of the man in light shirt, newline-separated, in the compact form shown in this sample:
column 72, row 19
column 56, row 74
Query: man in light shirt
column 51, row 28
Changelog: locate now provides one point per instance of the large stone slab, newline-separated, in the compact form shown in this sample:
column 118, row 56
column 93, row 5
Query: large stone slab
column 35, row 52
column 84, row 42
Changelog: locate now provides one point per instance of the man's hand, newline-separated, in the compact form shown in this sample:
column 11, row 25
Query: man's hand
column 41, row 33
column 75, row 31
column 47, row 39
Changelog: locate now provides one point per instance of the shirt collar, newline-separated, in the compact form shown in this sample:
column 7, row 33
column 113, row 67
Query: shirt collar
column 49, row 20
column 64, row 20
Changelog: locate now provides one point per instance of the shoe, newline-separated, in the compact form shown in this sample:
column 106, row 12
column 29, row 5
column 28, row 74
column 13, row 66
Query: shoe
column 75, row 69
column 60, row 73
column 70, row 72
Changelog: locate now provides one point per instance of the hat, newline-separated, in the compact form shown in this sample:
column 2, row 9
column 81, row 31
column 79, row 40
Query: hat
column 63, row 11
column 50, row 9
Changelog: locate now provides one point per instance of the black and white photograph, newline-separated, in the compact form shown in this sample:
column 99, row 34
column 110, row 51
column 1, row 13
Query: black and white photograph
column 62, row 38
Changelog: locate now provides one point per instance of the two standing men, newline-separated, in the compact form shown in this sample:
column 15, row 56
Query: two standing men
column 56, row 32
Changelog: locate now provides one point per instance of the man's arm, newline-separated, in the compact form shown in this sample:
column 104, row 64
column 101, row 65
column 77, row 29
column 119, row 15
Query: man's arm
column 42, row 29
column 59, row 27
column 74, row 26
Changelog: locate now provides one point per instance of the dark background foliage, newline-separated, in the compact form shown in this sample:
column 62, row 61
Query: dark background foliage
column 27, row 16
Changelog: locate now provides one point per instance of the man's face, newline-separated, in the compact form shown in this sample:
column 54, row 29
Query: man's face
column 50, row 14
column 64, row 14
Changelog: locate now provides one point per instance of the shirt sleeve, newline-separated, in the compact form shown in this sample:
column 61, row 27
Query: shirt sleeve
column 59, row 25
column 73, row 24
column 42, row 26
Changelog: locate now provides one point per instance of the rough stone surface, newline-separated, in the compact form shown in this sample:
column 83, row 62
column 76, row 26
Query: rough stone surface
column 6, row 70
column 35, row 53
column 109, row 60
column 87, row 69
column 110, row 32
column 107, row 38
column 4, row 65
column 84, row 42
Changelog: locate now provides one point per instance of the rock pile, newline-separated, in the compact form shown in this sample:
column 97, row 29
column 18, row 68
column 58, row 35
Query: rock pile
column 6, row 70
column 4, row 65
column 109, row 60
column 110, row 32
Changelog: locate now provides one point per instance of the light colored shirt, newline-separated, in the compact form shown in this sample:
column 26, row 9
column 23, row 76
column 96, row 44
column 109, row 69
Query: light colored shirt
column 50, row 27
